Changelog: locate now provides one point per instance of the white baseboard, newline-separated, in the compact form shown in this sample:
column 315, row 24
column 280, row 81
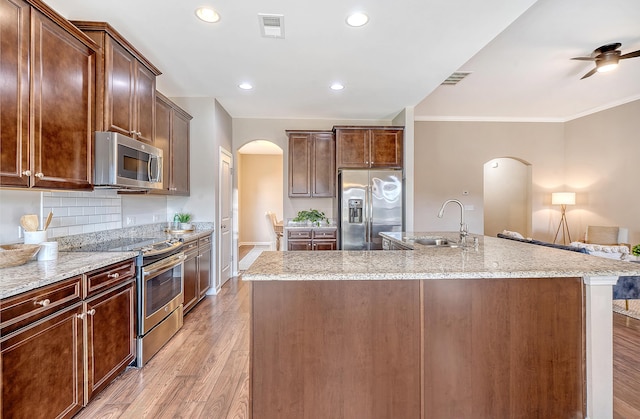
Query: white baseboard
column 255, row 243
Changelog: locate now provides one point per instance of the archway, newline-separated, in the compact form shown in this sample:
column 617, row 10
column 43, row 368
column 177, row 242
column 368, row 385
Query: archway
column 260, row 189
column 507, row 196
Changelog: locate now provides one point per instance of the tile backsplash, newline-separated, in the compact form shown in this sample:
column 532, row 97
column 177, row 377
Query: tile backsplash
column 82, row 212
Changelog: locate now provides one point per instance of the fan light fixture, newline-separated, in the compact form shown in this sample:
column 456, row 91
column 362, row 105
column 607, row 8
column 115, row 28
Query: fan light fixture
column 207, row 14
column 606, row 58
column 607, row 63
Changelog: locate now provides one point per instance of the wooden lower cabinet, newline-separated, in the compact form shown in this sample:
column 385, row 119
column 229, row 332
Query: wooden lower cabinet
column 204, row 265
column 57, row 351
column 42, row 368
column 434, row 349
column 111, row 339
column 197, row 271
column 312, row 239
column 191, row 278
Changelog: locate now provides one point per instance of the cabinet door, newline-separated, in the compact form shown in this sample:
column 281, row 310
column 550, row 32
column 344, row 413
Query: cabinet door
column 42, row 368
column 191, row 279
column 180, row 153
column 120, row 88
column 204, row 269
column 325, row 245
column 162, row 141
column 353, row 148
column 62, row 108
column 145, row 104
column 299, row 245
column 386, row 148
column 111, row 337
column 323, row 165
column 299, row 165
column 14, row 100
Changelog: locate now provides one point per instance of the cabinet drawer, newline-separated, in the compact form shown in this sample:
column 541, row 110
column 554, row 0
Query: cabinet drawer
column 190, row 245
column 204, row 240
column 299, row 234
column 324, row 234
column 26, row 308
column 104, row 278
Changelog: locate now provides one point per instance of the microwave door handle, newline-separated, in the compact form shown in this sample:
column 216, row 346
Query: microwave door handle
column 159, row 169
column 149, row 168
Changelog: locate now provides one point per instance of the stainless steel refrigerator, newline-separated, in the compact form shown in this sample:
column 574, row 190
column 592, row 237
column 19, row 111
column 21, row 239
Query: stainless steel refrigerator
column 369, row 202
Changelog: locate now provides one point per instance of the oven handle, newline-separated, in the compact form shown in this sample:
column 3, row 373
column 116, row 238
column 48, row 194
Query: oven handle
column 163, row 265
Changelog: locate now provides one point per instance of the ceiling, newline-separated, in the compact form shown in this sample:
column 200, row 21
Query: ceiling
column 518, row 51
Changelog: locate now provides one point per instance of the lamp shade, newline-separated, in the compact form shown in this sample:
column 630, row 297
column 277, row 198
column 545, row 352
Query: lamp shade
column 563, row 198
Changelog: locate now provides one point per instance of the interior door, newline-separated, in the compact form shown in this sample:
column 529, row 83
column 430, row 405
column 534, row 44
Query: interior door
column 225, row 244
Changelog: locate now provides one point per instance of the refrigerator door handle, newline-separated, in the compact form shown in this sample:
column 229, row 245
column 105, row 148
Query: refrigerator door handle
column 369, row 207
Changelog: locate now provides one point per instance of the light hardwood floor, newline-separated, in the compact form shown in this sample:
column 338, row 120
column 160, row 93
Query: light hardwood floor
column 203, row 372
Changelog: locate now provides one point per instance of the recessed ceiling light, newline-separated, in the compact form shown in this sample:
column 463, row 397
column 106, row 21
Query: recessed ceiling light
column 245, row 86
column 207, row 14
column 357, row 19
column 337, row 86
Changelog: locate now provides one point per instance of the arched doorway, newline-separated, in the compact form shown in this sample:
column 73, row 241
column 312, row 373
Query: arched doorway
column 507, row 196
column 260, row 189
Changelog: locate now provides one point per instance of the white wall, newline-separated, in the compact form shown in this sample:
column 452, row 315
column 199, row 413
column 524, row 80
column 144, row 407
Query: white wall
column 450, row 157
column 603, row 165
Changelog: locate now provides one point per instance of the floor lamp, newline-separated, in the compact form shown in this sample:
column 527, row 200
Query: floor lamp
column 563, row 199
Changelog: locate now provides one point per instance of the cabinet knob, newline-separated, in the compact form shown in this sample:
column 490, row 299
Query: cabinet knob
column 91, row 312
column 27, row 173
column 39, row 175
column 113, row 275
column 81, row 316
column 139, row 134
column 42, row 303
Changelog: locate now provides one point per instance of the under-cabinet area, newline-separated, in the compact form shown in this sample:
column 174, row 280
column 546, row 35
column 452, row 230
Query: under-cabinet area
column 63, row 343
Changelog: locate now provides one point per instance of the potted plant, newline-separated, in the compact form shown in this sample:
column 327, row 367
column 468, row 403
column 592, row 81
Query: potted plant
column 184, row 218
column 312, row 216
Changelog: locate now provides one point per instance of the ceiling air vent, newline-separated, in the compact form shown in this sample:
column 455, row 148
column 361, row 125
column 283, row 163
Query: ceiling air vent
column 271, row 26
column 455, row 78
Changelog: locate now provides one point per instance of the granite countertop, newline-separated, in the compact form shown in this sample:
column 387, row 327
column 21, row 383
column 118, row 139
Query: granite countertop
column 72, row 261
column 493, row 258
column 34, row 274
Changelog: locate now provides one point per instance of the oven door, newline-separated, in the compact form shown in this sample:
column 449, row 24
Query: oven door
column 161, row 290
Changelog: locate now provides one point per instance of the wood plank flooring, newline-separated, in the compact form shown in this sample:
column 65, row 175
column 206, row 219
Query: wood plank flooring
column 626, row 367
column 203, row 372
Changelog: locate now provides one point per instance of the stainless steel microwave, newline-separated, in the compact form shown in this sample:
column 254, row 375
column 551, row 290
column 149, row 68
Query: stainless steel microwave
column 122, row 162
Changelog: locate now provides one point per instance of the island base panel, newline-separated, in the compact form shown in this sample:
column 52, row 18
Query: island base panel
column 504, row 348
column 335, row 349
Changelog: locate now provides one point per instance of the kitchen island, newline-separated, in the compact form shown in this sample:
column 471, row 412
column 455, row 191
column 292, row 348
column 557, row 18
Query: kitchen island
column 504, row 329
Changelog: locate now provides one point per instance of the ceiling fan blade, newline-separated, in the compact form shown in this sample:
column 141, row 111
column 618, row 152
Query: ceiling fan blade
column 584, row 58
column 589, row 74
column 631, row 55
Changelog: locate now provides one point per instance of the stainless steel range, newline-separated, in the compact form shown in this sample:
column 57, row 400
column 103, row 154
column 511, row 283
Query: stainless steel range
column 159, row 288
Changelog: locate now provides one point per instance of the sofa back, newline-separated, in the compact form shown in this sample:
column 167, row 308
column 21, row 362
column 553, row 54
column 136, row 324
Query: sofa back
column 546, row 244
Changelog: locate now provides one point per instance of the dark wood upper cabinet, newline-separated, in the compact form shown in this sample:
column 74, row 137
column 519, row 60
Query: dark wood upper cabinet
column 126, row 84
column 47, row 70
column 172, row 136
column 369, row 147
column 311, row 164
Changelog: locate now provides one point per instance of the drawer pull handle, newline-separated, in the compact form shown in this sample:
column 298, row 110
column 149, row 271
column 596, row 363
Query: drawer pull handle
column 91, row 312
column 114, row 275
column 42, row 303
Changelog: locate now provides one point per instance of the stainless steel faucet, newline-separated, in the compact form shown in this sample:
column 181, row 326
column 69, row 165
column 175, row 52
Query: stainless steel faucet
column 464, row 229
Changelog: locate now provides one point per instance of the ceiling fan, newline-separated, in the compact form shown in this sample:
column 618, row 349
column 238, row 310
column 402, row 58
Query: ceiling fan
column 606, row 58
